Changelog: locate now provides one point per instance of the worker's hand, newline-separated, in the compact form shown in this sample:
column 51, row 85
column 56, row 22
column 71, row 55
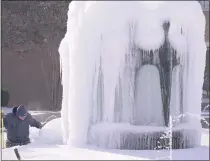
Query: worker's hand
column 42, row 125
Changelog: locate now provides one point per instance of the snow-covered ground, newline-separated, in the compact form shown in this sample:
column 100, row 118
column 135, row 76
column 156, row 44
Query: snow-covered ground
column 47, row 145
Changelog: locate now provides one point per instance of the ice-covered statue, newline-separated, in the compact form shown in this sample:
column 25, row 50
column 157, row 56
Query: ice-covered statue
column 131, row 71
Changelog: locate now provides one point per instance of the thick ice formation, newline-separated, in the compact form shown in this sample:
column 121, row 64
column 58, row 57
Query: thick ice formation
column 131, row 63
column 64, row 56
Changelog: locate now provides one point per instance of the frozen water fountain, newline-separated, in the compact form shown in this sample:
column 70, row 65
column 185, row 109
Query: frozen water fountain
column 127, row 67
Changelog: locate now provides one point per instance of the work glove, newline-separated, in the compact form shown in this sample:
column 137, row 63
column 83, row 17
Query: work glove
column 42, row 125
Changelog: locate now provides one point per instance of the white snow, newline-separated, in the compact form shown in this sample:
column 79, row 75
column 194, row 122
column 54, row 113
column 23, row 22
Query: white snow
column 100, row 49
column 49, row 135
column 9, row 109
column 39, row 149
column 6, row 109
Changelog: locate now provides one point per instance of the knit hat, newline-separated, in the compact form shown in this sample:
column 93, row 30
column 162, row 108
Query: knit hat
column 21, row 111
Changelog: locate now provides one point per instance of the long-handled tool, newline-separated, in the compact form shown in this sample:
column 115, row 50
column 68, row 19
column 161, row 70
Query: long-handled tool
column 17, row 154
column 2, row 129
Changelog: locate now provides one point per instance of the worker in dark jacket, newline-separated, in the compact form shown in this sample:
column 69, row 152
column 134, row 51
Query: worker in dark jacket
column 17, row 125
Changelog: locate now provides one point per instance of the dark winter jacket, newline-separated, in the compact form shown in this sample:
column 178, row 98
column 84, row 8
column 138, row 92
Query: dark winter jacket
column 18, row 130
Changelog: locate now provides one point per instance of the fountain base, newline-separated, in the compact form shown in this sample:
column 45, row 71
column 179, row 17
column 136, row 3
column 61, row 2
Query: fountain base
column 130, row 137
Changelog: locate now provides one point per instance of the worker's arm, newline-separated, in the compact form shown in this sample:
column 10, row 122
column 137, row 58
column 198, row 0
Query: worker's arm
column 34, row 123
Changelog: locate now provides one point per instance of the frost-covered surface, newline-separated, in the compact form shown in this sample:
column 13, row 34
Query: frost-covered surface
column 126, row 136
column 102, row 54
column 63, row 50
column 105, row 127
column 40, row 149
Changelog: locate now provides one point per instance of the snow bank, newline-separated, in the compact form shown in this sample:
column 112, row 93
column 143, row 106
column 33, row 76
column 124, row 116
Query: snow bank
column 51, row 133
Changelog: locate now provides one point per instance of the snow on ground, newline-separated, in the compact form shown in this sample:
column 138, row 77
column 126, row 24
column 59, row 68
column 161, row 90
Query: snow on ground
column 47, row 145
column 9, row 109
column 6, row 109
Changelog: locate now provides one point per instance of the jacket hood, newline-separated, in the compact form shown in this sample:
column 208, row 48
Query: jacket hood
column 14, row 110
